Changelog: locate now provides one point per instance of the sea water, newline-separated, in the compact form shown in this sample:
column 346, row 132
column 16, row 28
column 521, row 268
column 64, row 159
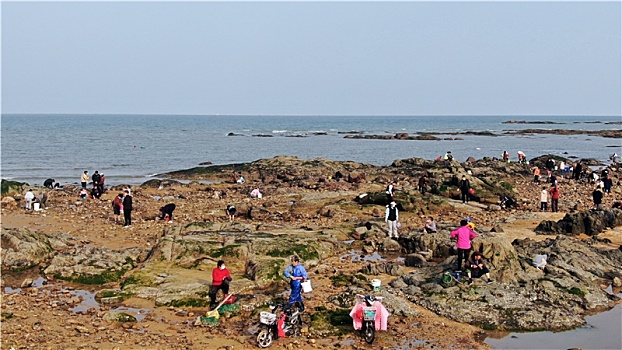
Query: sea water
column 129, row 149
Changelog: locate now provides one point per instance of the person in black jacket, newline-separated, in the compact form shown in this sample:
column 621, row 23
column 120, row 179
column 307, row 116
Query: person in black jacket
column 465, row 186
column 597, row 195
column 96, row 179
column 167, row 210
column 127, row 209
column 49, row 183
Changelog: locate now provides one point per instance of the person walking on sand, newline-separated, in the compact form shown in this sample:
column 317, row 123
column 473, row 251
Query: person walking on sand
column 84, row 178
column 463, row 235
column 544, row 199
column 127, row 209
column 117, row 203
column 554, row 193
column 297, row 274
column 391, row 217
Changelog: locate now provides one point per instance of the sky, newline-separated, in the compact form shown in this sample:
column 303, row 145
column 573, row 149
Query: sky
column 312, row 58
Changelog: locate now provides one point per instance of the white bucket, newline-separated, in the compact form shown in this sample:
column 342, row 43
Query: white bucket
column 36, row 206
column 375, row 283
column 306, row 286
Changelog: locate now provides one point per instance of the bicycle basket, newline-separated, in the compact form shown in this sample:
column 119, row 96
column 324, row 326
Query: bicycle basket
column 267, row 318
column 369, row 313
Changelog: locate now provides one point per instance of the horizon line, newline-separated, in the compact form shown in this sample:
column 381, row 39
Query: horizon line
column 309, row 115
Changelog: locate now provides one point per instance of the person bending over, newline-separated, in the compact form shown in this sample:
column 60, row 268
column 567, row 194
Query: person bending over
column 167, row 210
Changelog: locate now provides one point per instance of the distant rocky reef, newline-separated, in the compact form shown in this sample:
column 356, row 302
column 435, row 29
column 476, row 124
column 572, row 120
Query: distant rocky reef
column 615, row 134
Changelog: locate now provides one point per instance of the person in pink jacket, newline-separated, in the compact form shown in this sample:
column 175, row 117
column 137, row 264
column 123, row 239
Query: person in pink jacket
column 464, row 235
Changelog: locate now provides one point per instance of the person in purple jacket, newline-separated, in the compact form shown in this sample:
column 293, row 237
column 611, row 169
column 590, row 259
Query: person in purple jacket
column 464, row 235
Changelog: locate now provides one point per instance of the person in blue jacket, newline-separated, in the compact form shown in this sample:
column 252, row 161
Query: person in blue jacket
column 296, row 273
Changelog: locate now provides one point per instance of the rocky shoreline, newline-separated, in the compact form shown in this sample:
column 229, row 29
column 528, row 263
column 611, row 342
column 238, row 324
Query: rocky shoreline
column 329, row 213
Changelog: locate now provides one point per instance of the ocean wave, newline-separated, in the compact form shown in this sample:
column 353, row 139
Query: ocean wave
column 279, row 131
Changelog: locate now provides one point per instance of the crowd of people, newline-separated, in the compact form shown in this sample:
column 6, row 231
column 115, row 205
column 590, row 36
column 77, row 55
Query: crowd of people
column 473, row 263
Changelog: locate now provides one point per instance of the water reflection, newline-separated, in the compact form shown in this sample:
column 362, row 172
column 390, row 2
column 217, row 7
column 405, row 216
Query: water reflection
column 601, row 331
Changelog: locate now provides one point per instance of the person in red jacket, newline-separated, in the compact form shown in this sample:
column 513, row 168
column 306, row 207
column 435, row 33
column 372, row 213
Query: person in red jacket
column 220, row 280
column 554, row 194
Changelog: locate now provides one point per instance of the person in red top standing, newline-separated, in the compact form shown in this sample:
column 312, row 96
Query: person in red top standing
column 554, row 198
column 220, row 280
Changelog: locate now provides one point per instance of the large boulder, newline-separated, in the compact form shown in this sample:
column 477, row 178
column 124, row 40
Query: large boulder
column 8, row 187
column 521, row 296
column 590, row 222
column 90, row 265
column 22, row 248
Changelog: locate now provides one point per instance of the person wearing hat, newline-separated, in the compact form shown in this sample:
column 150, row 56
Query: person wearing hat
column 391, row 217
column 477, row 267
column 296, row 274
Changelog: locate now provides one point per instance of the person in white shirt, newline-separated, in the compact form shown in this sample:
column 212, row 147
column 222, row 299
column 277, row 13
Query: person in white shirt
column 544, row 199
column 391, row 217
column 29, row 196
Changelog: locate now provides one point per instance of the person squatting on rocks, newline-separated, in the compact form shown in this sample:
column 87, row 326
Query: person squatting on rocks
column 231, row 212
column 83, row 194
column 127, row 209
column 297, row 274
column 389, row 191
column 117, row 204
column 554, row 192
column 544, row 199
column 95, row 193
column 29, row 197
column 477, row 267
column 391, row 217
column 220, row 280
column 465, row 187
column 464, row 235
column 430, row 225
column 167, row 212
